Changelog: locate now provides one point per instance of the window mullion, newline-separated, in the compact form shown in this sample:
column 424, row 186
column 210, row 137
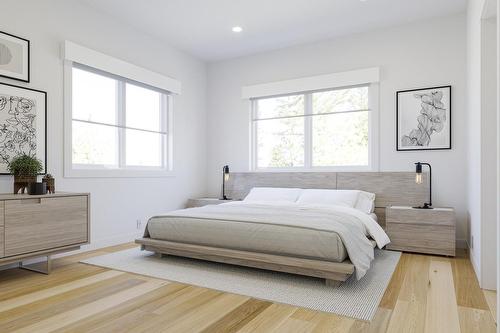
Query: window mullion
column 121, row 118
column 164, row 128
column 308, row 131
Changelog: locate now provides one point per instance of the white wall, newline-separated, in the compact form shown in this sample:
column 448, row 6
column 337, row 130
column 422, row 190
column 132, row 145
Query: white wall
column 482, row 150
column 421, row 54
column 116, row 203
column 488, row 153
column 474, row 12
column 498, row 154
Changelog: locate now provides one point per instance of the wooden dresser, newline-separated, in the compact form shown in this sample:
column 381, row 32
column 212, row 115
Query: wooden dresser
column 41, row 225
column 421, row 230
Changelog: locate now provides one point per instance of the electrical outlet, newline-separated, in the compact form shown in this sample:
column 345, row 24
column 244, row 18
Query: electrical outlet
column 139, row 224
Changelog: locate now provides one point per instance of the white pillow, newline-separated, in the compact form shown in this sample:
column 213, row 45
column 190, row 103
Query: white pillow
column 273, row 194
column 366, row 202
column 329, row 197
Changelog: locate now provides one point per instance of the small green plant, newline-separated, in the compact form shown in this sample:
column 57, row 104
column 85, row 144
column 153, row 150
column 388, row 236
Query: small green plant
column 25, row 165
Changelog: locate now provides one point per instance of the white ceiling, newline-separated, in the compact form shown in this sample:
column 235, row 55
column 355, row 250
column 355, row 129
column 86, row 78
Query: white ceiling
column 203, row 27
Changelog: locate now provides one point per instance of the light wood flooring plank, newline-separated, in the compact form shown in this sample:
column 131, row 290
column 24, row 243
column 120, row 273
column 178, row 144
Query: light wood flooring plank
column 68, row 317
column 476, row 321
column 59, row 289
column 29, row 282
column 392, row 292
column 379, row 323
column 269, row 319
column 410, row 309
column 323, row 322
column 292, row 325
column 32, row 313
column 116, row 313
column 206, row 314
column 239, row 317
column 174, row 310
column 491, row 299
column 441, row 311
column 327, row 322
column 467, row 289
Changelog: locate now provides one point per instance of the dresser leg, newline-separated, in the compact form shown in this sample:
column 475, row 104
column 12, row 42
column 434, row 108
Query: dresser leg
column 47, row 270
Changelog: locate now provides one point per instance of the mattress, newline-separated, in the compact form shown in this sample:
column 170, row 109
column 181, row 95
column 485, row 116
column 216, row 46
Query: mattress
column 250, row 236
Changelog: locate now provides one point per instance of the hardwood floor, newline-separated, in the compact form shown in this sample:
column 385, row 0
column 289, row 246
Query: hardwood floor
column 426, row 294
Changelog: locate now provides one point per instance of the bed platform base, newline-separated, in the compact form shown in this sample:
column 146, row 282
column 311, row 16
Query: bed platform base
column 334, row 273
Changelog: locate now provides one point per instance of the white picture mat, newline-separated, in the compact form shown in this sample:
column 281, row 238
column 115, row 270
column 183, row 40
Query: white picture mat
column 408, row 111
column 13, row 70
column 40, row 120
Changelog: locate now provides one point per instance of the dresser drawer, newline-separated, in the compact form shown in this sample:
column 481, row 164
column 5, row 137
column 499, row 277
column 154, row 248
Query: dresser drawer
column 434, row 239
column 437, row 216
column 44, row 223
column 2, row 243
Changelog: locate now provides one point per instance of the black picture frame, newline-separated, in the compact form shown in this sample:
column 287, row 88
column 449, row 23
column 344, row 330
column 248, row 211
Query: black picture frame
column 28, row 60
column 44, row 96
column 449, row 120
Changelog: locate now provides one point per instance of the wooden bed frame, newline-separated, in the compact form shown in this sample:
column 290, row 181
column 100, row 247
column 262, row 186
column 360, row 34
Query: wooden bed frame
column 391, row 188
column 334, row 273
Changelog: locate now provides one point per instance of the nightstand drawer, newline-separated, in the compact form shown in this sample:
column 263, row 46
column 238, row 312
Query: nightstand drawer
column 437, row 216
column 434, row 239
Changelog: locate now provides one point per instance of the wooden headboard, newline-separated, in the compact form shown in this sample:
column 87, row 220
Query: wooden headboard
column 390, row 188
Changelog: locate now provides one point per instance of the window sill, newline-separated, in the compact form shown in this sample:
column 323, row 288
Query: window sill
column 117, row 173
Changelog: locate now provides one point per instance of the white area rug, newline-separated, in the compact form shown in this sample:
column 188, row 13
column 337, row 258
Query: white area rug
column 357, row 299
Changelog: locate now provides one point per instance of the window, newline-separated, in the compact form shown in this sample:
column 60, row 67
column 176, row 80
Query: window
column 325, row 129
column 117, row 125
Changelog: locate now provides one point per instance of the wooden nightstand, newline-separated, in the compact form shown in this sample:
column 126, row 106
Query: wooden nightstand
column 421, row 230
column 200, row 202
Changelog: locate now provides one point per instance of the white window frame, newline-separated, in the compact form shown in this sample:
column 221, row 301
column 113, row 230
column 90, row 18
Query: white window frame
column 93, row 170
column 373, row 134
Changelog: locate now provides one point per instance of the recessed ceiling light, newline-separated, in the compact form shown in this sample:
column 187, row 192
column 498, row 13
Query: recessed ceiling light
column 237, row 29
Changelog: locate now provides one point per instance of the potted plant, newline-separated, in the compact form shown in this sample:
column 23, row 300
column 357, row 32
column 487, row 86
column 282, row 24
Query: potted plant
column 25, row 169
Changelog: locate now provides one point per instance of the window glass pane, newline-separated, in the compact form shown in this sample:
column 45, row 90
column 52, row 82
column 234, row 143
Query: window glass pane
column 280, row 143
column 94, row 97
column 95, row 144
column 143, row 108
column 143, row 148
column 340, row 139
column 340, row 100
column 280, row 106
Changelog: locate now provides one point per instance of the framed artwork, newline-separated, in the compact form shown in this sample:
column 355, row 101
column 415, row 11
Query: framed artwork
column 23, row 124
column 423, row 119
column 14, row 57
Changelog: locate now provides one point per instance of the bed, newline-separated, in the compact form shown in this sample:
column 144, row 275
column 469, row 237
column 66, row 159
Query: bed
column 304, row 231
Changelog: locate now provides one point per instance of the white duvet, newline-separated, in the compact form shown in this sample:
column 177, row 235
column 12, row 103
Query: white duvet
column 350, row 224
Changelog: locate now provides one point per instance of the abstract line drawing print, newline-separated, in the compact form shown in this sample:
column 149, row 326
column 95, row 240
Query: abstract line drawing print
column 431, row 120
column 17, row 127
